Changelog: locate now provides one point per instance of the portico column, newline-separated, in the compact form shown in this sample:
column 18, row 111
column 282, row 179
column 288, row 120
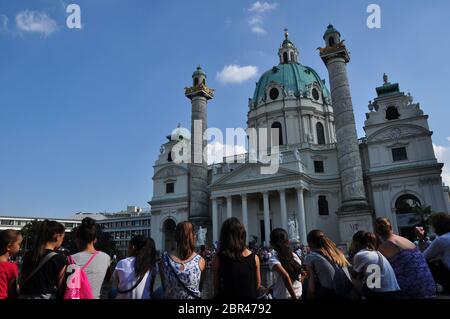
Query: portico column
column 245, row 214
column 214, row 220
column 301, row 215
column 229, row 207
column 283, row 209
column 266, row 218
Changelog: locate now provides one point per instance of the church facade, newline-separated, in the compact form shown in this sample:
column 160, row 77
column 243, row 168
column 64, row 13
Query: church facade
column 327, row 178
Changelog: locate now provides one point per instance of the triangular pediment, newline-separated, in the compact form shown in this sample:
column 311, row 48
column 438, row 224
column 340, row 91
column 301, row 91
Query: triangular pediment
column 251, row 172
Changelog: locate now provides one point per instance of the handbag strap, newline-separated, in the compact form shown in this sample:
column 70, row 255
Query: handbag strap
column 191, row 293
column 132, row 288
column 381, row 262
column 41, row 264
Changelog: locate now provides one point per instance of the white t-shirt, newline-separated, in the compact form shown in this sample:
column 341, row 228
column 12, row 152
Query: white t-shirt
column 279, row 289
column 439, row 250
column 364, row 258
column 125, row 275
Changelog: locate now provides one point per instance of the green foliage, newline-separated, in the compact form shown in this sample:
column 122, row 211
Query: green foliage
column 422, row 216
column 105, row 243
column 29, row 233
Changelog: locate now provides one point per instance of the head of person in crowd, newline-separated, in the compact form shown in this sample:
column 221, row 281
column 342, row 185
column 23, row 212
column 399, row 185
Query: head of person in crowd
column 363, row 240
column 319, row 242
column 50, row 233
column 143, row 249
column 185, row 239
column 232, row 239
column 440, row 223
column 10, row 241
column 86, row 233
column 279, row 240
column 383, row 228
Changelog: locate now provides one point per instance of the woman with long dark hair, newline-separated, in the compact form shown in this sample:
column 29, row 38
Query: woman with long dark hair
column 43, row 268
column 328, row 275
column 286, row 265
column 95, row 263
column 181, row 269
column 236, row 268
column 135, row 276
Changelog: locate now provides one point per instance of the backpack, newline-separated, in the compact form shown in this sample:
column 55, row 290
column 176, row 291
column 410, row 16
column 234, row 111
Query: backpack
column 78, row 286
column 343, row 286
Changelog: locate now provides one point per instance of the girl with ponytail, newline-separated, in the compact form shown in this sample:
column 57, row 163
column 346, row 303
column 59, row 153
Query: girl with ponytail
column 43, row 268
column 287, row 267
column 328, row 275
column 96, row 263
column 134, row 277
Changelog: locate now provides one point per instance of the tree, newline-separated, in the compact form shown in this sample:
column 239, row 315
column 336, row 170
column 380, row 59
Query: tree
column 422, row 216
column 29, row 233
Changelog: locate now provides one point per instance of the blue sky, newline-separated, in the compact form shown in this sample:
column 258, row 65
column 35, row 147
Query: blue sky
column 83, row 112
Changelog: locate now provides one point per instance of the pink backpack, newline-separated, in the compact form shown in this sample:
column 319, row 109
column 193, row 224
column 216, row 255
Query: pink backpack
column 78, row 286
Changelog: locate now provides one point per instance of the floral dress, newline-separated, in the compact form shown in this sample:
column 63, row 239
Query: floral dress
column 189, row 287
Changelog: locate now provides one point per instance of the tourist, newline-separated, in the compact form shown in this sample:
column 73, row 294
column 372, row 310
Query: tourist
column 286, row 265
column 43, row 268
column 364, row 250
column 438, row 252
column 181, row 269
column 327, row 273
column 410, row 267
column 95, row 264
column 236, row 268
column 134, row 277
column 10, row 241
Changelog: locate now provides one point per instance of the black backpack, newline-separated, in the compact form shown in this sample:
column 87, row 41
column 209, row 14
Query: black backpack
column 343, row 286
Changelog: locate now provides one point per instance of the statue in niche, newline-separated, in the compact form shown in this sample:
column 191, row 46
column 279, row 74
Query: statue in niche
column 293, row 230
column 201, row 236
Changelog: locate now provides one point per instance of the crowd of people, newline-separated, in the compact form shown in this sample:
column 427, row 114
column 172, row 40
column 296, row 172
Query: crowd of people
column 379, row 265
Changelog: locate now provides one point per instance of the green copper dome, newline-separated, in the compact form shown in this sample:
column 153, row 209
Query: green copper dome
column 331, row 29
column 199, row 71
column 293, row 77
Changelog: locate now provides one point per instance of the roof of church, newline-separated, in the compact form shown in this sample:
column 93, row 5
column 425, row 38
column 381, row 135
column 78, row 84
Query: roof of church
column 292, row 76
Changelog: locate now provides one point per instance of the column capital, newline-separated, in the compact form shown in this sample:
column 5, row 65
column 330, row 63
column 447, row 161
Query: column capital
column 244, row 195
column 300, row 188
column 265, row 192
column 281, row 190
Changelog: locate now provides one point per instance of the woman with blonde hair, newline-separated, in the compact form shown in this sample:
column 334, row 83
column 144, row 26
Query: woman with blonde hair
column 181, row 269
column 328, row 275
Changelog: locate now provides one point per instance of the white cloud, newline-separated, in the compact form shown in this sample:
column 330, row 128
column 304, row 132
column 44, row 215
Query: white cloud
column 443, row 155
column 256, row 19
column 448, row 138
column 37, row 22
column 258, row 30
column 217, row 151
column 262, row 6
column 236, row 74
column 3, row 23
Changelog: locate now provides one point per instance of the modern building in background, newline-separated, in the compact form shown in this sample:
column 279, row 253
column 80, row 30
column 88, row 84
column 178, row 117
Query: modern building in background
column 121, row 225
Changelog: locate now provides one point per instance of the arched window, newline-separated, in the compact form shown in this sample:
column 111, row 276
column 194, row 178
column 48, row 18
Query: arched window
column 405, row 204
column 195, row 81
column 392, row 113
column 277, row 125
column 169, row 157
column 285, row 57
column 331, row 41
column 292, row 57
column 323, row 205
column 320, row 133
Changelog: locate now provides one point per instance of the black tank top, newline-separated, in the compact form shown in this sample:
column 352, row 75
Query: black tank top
column 237, row 278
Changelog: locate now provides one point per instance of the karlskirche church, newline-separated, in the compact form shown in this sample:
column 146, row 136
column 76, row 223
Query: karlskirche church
column 327, row 178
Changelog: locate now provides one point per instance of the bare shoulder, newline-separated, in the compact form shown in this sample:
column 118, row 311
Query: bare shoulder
column 404, row 243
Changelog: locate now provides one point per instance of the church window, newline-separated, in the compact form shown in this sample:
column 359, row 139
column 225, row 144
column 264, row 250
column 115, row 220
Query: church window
column 399, row 154
column 315, row 94
column 292, row 57
column 323, row 206
column 285, row 57
column 405, row 204
column 277, row 125
column 195, row 81
column 331, row 41
column 318, row 167
column 392, row 113
column 170, row 188
column 320, row 133
column 273, row 93
column 169, row 157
